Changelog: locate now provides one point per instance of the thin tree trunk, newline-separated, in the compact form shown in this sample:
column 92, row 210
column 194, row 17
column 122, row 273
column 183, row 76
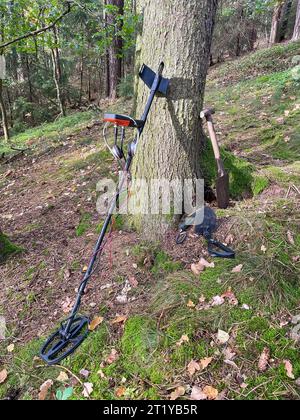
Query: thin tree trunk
column 115, row 49
column 180, row 34
column 275, row 28
column 57, row 75
column 296, row 35
column 4, row 114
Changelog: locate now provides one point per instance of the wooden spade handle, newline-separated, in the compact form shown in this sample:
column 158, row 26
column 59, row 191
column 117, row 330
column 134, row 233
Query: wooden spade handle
column 213, row 137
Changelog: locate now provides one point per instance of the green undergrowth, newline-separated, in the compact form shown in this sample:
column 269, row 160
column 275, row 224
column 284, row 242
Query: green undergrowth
column 269, row 60
column 7, row 248
column 55, row 131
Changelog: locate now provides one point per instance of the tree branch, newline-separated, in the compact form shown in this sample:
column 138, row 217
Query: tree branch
column 38, row 31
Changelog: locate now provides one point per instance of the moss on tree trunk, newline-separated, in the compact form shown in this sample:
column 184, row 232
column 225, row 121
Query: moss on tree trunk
column 178, row 33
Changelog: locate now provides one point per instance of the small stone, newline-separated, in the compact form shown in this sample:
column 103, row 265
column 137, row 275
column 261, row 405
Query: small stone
column 296, row 320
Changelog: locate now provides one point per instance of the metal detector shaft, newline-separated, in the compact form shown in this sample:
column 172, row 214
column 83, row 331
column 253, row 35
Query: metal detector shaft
column 97, row 248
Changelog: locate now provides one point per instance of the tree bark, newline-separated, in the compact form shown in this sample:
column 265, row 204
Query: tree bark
column 4, row 114
column 296, row 35
column 180, row 34
column 57, row 75
column 116, row 47
column 275, row 28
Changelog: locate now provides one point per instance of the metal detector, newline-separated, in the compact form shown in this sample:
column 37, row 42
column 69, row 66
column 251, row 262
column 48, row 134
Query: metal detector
column 74, row 330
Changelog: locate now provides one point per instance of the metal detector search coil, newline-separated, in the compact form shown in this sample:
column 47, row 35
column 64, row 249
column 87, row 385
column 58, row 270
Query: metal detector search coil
column 74, row 330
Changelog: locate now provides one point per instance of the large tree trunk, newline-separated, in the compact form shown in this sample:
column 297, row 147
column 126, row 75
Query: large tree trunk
column 275, row 28
column 116, row 47
column 296, row 35
column 4, row 113
column 180, row 34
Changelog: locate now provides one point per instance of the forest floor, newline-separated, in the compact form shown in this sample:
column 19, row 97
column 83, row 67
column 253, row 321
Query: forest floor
column 230, row 332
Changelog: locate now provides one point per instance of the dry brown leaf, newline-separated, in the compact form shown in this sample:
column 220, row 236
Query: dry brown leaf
column 206, row 264
column 198, row 394
column 238, row 268
column 217, row 301
column 190, row 304
column 290, row 238
column 133, row 282
column 119, row 319
column 228, row 354
column 120, row 391
column 112, row 357
column 85, row 373
column 223, row 337
column 184, row 339
column 204, row 363
column 67, row 305
column 101, row 374
column 45, row 387
column 3, row 376
column 197, row 269
column 193, row 367
column 62, row 377
column 179, row 392
column 87, row 389
column 289, row 369
column 296, row 259
column 210, row 392
column 263, row 249
column 96, row 322
column 264, row 360
column 231, row 298
column 10, row 348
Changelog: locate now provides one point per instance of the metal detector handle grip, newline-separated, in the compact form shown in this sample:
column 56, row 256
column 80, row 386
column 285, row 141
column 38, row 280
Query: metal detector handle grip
column 225, row 251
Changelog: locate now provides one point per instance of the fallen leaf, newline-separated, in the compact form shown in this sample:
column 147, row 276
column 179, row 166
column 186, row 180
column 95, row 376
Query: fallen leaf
column 101, row 374
column 193, row 367
column 119, row 319
column 204, row 363
column 190, row 304
column 85, row 373
column 179, row 392
column 62, row 377
column 217, row 301
column 296, row 259
column 10, row 348
column 3, row 376
column 238, row 269
column 290, row 238
column 229, row 239
column 263, row 249
column 85, row 269
column 87, row 389
column 289, row 369
column 120, row 391
column 133, row 282
column 206, row 264
column 67, row 305
column 197, row 394
column 228, row 354
column 231, row 298
column 112, row 357
column 184, row 339
column 223, row 337
column 210, row 392
column 197, row 269
column 96, row 322
column 246, row 307
column 44, row 389
column 264, row 360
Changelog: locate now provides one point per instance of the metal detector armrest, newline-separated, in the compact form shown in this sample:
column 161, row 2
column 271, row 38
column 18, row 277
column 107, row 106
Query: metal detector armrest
column 148, row 76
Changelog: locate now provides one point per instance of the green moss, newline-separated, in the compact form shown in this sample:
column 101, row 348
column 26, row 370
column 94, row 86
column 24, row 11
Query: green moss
column 84, row 225
column 7, row 248
column 163, row 263
column 259, row 184
column 240, row 171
